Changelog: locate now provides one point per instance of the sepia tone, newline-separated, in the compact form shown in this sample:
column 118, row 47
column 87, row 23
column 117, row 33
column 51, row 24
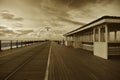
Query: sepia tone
column 59, row 40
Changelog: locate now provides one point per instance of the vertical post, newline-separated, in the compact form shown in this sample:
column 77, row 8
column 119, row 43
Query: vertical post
column 0, row 45
column 99, row 34
column 21, row 43
column 106, row 33
column 17, row 44
column 25, row 43
column 93, row 34
column 115, row 35
column 10, row 44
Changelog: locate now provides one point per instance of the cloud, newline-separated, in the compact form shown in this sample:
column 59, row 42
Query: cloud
column 58, row 31
column 7, row 31
column 18, row 25
column 4, row 31
column 24, row 32
column 62, row 15
column 71, row 21
column 56, row 24
column 8, row 16
column 2, row 34
column 2, row 27
column 82, row 3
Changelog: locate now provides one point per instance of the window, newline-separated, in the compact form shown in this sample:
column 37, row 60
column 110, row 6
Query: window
column 118, row 35
column 112, row 36
column 102, row 34
column 96, row 35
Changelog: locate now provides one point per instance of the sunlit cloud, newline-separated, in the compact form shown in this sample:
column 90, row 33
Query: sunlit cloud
column 60, row 15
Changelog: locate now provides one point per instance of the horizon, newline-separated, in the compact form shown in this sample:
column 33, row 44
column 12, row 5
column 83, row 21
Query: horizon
column 50, row 19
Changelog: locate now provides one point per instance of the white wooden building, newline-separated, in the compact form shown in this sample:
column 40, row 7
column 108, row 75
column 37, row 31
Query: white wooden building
column 101, row 36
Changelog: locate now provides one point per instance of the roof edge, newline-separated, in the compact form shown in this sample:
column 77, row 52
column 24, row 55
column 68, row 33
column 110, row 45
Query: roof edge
column 103, row 17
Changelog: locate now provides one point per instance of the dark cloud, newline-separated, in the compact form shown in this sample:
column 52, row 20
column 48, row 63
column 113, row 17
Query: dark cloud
column 7, row 31
column 82, row 3
column 71, row 21
column 56, row 11
column 70, row 3
column 34, row 2
column 8, row 16
column 2, row 27
column 23, row 32
column 56, row 24
column 2, row 34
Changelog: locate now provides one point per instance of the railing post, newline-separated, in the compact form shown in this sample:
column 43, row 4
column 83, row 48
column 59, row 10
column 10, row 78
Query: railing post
column 25, row 43
column 11, row 44
column 17, row 44
column 28, row 43
column 0, row 45
column 21, row 43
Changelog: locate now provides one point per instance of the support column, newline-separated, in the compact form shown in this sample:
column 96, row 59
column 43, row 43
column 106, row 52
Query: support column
column 106, row 33
column 0, row 45
column 115, row 35
column 101, row 48
column 99, row 34
column 93, row 34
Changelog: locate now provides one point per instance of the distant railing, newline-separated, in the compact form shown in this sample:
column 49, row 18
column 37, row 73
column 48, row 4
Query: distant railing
column 10, row 44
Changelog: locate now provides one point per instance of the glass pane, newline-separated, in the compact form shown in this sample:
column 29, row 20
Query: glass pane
column 118, row 35
column 102, row 34
column 112, row 36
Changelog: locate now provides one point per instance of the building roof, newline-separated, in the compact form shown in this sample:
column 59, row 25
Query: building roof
column 98, row 21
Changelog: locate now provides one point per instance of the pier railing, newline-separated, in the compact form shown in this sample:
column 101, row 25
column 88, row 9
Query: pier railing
column 10, row 44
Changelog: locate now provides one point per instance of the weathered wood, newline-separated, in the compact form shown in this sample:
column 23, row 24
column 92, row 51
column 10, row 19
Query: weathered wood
column 0, row 45
column 17, row 44
column 11, row 44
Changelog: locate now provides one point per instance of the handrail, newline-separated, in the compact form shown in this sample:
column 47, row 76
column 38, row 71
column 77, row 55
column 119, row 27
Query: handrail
column 16, row 43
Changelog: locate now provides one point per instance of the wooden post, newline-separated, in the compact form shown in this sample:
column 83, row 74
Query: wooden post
column 17, row 44
column 115, row 35
column 28, row 43
column 21, row 43
column 11, row 44
column 99, row 34
column 0, row 45
column 25, row 43
column 93, row 34
column 106, row 33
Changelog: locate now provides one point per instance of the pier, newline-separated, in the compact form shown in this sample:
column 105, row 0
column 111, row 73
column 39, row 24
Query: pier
column 52, row 61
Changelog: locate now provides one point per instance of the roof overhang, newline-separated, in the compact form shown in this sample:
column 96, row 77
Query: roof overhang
column 104, row 19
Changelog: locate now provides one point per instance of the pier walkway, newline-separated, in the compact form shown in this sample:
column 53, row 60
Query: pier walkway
column 50, row 61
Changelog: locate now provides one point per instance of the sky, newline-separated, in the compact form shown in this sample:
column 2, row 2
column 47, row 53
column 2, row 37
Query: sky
column 50, row 19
